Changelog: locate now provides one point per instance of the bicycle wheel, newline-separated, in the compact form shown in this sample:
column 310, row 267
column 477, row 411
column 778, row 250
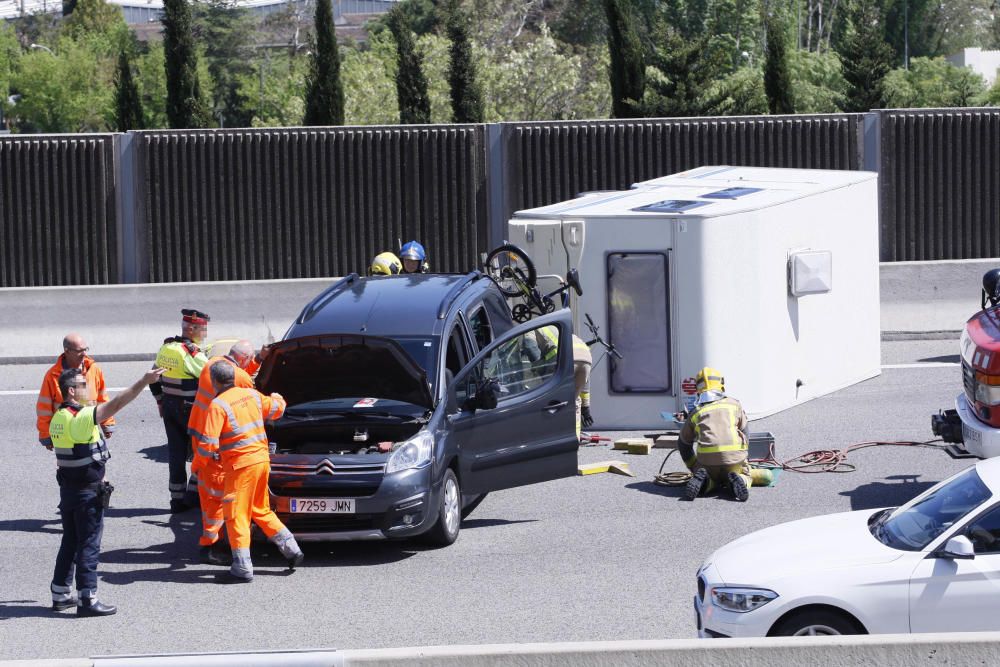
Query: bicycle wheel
column 511, row 269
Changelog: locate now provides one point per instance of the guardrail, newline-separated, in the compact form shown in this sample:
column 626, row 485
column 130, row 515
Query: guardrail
column 923, row 649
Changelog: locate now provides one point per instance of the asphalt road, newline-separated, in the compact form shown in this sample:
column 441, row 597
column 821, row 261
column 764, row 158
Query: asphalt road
column 601, row 557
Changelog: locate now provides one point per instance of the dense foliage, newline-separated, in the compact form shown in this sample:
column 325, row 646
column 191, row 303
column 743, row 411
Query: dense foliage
column 490, row 60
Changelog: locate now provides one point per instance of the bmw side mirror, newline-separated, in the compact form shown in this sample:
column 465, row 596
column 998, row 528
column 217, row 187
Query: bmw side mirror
column 958, row 548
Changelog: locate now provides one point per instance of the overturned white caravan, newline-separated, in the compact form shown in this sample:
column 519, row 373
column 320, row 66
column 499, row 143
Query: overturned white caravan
column 770, row 275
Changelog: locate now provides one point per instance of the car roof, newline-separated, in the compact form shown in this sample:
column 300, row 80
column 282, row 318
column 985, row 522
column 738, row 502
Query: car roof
column 402, row 305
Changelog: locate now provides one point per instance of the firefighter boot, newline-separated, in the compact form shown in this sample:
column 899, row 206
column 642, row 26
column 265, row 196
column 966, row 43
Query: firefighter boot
column 695, row 484
column 288, row 547
column 739, row 487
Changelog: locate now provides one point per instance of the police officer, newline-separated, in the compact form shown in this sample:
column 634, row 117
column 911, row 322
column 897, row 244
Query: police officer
column 81, row 453
column 182, row 360
column 414, row 258
column 714, row 442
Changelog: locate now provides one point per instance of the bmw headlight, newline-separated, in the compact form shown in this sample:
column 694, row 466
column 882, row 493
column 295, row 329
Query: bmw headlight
column 741, row 600
column 414, row 453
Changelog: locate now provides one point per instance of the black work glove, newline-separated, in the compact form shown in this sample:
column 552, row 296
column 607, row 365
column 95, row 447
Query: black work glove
column 585, row 417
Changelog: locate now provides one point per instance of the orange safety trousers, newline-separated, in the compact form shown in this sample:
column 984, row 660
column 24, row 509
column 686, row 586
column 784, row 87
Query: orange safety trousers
column 246, row 500
column 211, row 489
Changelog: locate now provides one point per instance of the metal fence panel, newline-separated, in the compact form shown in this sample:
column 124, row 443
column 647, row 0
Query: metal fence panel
column 309, row 202
column 551, row 162
column 57, row 210
column 940, row 184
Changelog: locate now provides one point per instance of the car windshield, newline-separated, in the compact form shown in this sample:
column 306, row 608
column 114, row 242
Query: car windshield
column 916, row 524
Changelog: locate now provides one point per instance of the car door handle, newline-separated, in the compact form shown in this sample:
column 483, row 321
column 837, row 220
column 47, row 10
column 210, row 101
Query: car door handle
column 554, row 407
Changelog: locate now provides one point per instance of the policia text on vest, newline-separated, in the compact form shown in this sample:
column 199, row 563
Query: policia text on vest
column 81, row 455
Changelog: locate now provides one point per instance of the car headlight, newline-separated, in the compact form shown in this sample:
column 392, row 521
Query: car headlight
column 741, row 600
column 413, row 453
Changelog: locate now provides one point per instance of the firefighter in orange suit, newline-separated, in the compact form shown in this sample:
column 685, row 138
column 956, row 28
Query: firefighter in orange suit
column 211, row 480
column 50, row 398
column 235, row 423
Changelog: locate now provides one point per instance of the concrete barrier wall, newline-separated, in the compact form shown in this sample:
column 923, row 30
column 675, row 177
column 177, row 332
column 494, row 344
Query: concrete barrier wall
column 131, row 321
column 875, row 650
column 925, row 297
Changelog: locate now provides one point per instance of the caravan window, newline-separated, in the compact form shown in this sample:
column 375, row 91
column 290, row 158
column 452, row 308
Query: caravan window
column 639, row 322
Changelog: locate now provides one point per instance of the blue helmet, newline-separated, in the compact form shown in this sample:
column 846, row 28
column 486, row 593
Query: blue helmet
column 412, row 250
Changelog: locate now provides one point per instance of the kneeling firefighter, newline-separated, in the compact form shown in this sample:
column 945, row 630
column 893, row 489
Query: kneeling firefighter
column 714, row 440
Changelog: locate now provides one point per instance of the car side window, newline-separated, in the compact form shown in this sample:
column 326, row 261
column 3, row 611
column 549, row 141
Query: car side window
column 457, row 354
column 479, row 322
column 984, row 532
column 524, row 362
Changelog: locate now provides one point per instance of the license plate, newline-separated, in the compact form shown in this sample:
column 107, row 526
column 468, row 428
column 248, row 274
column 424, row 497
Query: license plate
column 971, row 436
column 322, row 505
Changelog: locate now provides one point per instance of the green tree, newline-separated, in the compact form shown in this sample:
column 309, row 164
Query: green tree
column 185, row 108
column 681, row 74
column 324, row 90
column 777, row 79
column 227, row 31
column 10, row 53
column 934, row 82
column 279, row 88
column 740, row 93
column 818, row 85
column 151, row 79
column 68, row 90
column 411, row 84
column 128, row 106
column 369, row 74
column 866, row 57
column 97, row 17
column 627, row 71
column 466, row 94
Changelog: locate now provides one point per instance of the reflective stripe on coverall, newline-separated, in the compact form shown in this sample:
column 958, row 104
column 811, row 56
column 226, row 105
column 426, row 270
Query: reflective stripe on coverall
column 211, row 479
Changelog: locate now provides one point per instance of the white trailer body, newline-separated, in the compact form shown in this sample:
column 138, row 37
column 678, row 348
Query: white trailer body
column 770, row 275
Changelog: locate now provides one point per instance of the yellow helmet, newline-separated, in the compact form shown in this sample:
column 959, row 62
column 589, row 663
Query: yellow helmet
column 385, row 264
column 709, row 379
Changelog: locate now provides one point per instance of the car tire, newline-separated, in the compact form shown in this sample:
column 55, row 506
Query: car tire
column 467, row 510
column 816, row 622
column 449, row 513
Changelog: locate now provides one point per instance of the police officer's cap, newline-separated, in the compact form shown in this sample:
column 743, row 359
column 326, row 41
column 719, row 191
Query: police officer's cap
column 195, row 316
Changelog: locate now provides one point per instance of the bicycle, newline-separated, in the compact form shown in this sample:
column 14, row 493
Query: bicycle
column 514, row 274
column 596, row 333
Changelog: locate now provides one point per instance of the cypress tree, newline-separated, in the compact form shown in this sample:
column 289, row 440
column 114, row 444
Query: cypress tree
column 411, row 84
column 777, row 78
column 128, row 106
column 324, row 89
column 866, row 57
column 466, row 95
column 628, row 69
column 184, row 105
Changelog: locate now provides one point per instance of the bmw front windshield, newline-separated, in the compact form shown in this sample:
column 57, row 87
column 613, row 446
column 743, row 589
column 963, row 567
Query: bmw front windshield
column 916, row 524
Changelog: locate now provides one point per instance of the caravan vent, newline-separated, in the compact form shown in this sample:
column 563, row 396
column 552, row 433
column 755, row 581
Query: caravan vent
column 672, row 206
column 731, row 193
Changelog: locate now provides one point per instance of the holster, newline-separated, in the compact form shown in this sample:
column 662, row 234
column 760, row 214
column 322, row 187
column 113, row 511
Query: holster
column 104, row 491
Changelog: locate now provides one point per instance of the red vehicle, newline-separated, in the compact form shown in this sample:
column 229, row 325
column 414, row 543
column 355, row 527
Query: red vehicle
column 975, row 421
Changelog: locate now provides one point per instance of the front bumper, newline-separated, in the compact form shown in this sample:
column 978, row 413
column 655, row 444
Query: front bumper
column 979, row 439
column 404, row 505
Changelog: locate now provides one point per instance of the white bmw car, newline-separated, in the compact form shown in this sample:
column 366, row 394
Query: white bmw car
column 932, row 565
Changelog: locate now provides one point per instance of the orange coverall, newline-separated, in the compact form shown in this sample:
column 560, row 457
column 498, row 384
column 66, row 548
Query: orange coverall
column 211, row 480
column 235, row 422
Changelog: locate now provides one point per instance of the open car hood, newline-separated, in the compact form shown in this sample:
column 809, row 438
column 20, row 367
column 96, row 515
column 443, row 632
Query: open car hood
column 314, row 368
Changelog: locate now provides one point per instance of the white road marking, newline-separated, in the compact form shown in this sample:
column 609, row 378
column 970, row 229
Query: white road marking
column 925, row 364
column 34, row 392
